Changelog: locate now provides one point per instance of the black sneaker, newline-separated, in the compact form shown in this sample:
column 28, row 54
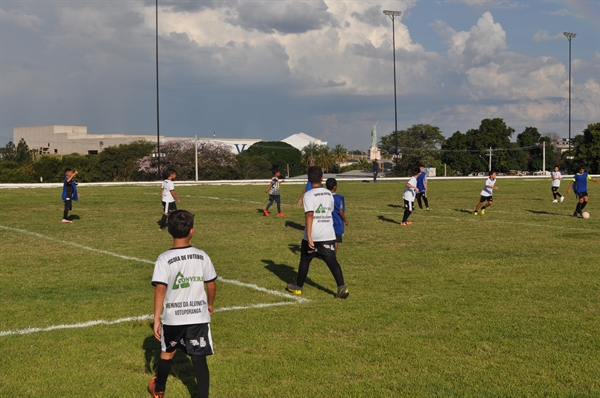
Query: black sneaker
column 343, row 293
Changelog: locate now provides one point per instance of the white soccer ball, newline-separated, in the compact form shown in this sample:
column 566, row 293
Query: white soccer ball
column 586, row 214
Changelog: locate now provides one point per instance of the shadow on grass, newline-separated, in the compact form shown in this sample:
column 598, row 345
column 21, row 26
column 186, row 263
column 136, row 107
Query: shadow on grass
column 396, row 206
column 382, row 218
column 73, row 217
column 260, row 211
column 295, row 225
column 547, row 213
column 288, row 275
column 182, row 365
column 464, row 211
column 294, row 248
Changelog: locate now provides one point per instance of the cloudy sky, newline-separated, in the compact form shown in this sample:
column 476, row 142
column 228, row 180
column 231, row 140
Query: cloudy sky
column 269, row 69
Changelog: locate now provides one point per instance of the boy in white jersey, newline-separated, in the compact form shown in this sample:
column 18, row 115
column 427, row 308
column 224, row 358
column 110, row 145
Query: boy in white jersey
column 410, row 192
column 319, row 235
column 168, row 196
column 486, row 193
column 274, row 193
column 185, row 281
column 556, row 177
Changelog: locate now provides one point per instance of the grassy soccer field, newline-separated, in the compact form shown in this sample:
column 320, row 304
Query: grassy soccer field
column 505, row 304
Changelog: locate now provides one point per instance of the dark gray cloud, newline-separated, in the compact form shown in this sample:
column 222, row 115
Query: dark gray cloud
column 190, row 6
column 283, row 17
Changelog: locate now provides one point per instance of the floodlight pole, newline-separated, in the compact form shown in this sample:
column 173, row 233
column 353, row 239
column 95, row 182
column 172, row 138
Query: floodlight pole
column 569, row 36
column 393, row 15
column 157, row 108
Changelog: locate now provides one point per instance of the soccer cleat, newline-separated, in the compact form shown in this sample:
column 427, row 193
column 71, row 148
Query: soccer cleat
column 575, row 214
column 406, row 223
column 427, row 209
column 280, row 215
column 295, row 289
column 475, row 213
column 562, row 198
column 266, row 213
column 482, row 212
column 151, row 388
column 65, row 221
column 555, row 201
column 342, row 293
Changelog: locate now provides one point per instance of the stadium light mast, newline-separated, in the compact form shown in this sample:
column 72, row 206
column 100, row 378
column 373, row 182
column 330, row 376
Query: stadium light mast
column 569, row 36
column 157, row 108
column 393, row 15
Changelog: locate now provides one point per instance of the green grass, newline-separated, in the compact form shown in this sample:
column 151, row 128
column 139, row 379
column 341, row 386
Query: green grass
column 504, row 304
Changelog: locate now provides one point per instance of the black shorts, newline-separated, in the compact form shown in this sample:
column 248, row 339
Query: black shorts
column 68, row 204
column 338, row 238
column 555, row 189
column 484, row 198
column 322, row 249
column 581, row 195
column 409, row 205
column 192, row 339
column 169, row 207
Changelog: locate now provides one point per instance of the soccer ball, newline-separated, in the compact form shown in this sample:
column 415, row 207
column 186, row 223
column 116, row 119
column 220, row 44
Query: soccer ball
column 586, row 214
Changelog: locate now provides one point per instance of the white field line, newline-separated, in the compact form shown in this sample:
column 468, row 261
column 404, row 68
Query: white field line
column 296, row 300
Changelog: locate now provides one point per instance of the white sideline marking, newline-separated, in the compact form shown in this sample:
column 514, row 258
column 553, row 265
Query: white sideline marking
column 296, row 300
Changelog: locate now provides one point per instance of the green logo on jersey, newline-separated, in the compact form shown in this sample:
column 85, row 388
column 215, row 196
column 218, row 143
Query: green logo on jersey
column 321, row 209
column 184, row 282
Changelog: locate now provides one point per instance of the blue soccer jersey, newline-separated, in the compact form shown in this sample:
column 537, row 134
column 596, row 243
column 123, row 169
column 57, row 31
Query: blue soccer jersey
column 338, row 223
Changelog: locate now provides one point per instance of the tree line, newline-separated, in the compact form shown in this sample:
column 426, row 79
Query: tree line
column 420, row 144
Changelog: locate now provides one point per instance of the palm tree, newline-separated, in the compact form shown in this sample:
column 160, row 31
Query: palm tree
column 339, row 154
column 364, row 164
column 324, row 158
column 309, row 154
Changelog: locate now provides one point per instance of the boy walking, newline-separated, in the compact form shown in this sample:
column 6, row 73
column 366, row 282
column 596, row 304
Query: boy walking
column 422, row 186
column 319, row 236
column 410, row 192
column 168, row 195
column 185, row 288
column 556, row 177
column 339, row 214
column 274, row 194
column 69, row 193
column 579, row 184
column 486, row 193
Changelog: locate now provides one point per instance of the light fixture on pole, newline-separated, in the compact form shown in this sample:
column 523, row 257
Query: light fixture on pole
column 569, row 36
column 393, row 15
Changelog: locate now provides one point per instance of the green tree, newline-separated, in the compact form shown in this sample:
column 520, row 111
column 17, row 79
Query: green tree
column 587, row 149
column 495, row 134
column 48, row 168
column 120, row 163
column 339, row 154
column 253, row 167
column 457, row 156
column 418, row 145
column 278, row 154
column 324, row 158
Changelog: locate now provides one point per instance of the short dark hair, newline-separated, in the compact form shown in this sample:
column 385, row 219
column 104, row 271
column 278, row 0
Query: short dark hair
column 181, row 223
column 331, row 183
column 169, row 172
column 581, row 166
column 68, row 169
column 315, row 173
column 417, row 170
column 490, row 173
column 275, row 170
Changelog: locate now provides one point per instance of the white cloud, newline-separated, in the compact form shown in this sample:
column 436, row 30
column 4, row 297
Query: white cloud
column 20, row 18
column 544, row 36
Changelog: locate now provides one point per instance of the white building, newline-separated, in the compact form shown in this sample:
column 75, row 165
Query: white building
column 65, row 140
column 300, row 140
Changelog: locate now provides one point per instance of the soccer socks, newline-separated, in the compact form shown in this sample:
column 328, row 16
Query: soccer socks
column 163, row 222
column 582, row 206
column 202, row 374
column 426, row 201
column 162, row 372
column 406, row 215
column 335, row 268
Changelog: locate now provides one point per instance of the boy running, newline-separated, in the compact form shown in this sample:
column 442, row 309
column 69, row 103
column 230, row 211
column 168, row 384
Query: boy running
column 69, row 193
column 579, row 183
column 339, row 214
column 556, row 177
column 274, row 194
column 319, row 236
column 410, row 191
column 486, row 193
column 185, row 289
column 168, row 195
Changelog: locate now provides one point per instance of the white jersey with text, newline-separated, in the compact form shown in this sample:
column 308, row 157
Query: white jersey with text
column 274, row 186
column 410, row 193
column 488, row 191
column 184, row 271
column 167, row 187
column 556, row 177
column 320, row 201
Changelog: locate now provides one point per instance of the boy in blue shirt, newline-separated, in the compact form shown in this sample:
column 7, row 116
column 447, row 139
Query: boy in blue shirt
column 422, row 185
column 69, row 193
column 579, row 184
column 339, row 215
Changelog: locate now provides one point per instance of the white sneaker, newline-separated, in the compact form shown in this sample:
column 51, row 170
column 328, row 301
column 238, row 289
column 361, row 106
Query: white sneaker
column 65, row 221
column 555, row 201
column 562, row 198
